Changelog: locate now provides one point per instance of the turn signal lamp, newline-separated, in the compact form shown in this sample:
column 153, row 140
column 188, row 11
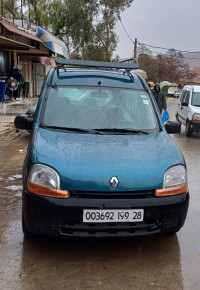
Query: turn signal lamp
column 44, row 180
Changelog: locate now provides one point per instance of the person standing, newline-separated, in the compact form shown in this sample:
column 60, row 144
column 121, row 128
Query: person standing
column 18, row 75
column 2, row 93
column 160, row 98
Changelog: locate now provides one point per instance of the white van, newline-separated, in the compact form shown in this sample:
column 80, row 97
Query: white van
column 188, row 109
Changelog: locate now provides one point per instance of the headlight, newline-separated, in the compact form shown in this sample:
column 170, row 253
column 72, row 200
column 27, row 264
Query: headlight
column 174, row 182
column 44, row 175
column 196, row 117
column 44, row 180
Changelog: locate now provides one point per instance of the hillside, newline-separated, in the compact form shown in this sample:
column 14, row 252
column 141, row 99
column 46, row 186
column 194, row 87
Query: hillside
column 193, row 59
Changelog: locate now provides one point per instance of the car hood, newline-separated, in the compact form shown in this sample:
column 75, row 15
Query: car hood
column 195, row 109
column 87, row 162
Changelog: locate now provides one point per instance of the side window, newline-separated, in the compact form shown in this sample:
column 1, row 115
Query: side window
column 187, row 97
column 183, row 96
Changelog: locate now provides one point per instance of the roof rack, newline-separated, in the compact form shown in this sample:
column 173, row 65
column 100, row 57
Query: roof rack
column 129, row 60
column 96, row 64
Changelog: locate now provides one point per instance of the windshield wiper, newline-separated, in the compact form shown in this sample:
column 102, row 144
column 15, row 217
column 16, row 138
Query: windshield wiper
column 91, row 131
column 134, row 131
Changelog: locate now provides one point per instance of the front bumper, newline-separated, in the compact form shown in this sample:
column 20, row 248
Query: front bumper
column 53, row 216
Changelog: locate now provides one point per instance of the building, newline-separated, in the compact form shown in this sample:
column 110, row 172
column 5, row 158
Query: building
column 32, row 50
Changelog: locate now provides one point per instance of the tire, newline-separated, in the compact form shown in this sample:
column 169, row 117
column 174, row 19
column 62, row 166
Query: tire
column 26, row 232
column 188, row 132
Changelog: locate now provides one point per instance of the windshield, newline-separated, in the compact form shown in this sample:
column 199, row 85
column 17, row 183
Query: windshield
column 99, row 108
column 196, row 99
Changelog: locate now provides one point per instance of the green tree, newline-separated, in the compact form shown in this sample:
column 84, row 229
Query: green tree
column 10, row 10
column 107, row 14
column 88, row 25
column 149, row 64
column 39, row 13
column 72, row 21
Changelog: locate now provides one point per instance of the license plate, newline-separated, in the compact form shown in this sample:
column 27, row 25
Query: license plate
column 113, row 216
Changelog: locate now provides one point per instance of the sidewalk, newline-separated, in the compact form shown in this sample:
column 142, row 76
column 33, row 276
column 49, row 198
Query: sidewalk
column 12, row 109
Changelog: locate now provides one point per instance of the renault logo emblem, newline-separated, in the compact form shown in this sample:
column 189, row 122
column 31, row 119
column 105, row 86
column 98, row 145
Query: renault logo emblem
column 114, row 182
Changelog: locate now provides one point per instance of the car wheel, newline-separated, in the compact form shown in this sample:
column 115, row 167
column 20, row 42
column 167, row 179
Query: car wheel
column 188, row 131
column 26, row 232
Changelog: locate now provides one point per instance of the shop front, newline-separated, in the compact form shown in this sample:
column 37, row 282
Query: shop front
column 22, row 49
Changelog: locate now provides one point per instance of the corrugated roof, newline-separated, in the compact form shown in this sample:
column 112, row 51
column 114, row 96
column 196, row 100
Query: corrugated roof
column 16, row 29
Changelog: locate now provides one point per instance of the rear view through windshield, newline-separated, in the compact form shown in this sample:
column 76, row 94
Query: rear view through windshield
column 99, row 108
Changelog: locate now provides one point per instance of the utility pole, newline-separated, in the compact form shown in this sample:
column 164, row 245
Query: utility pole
column 13, row 13
column 22, row 13
column 135, row 48
column 2, row 7
column 29, row 15
column 35, row 8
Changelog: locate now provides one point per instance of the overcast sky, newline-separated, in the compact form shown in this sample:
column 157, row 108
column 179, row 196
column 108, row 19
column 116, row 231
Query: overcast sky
column 165, row 23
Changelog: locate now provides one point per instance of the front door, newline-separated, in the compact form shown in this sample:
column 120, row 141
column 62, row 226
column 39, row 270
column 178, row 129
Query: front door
column 182, row 110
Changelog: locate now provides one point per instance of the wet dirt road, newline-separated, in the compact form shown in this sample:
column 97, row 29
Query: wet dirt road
column 169, row 262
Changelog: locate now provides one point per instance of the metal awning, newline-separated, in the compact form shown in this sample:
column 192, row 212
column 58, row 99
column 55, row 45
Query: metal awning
column 13, row 28
column 54, row 44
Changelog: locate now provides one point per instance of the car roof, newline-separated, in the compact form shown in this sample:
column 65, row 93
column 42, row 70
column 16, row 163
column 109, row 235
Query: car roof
column 195, row 88
column 96, row 77
column 69, row 72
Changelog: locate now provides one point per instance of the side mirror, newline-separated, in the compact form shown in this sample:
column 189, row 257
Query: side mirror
column 173, row 127
column 184, row 104
column 23, row 122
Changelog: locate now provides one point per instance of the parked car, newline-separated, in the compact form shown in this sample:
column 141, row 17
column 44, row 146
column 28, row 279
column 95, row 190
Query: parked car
column 177, row 93
column 170, row 94
column 188, row 109
column 100, row 162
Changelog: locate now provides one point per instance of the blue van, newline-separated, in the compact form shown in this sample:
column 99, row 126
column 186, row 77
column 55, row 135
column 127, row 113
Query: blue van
column 100, row 162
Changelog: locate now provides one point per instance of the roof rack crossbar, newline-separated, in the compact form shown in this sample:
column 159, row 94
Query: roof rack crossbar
column 129, row 60
column 96, row 64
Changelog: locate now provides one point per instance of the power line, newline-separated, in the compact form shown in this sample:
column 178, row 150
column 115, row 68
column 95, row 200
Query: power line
column 165, row 54
column 159, row 47
column 185, row 51
column 126, row 32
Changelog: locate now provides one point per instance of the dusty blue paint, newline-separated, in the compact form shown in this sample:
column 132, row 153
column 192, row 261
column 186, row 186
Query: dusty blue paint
column 87, row 162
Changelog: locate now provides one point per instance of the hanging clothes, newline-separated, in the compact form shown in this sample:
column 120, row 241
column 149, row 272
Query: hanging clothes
column 12, row 86
column 2, row 91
